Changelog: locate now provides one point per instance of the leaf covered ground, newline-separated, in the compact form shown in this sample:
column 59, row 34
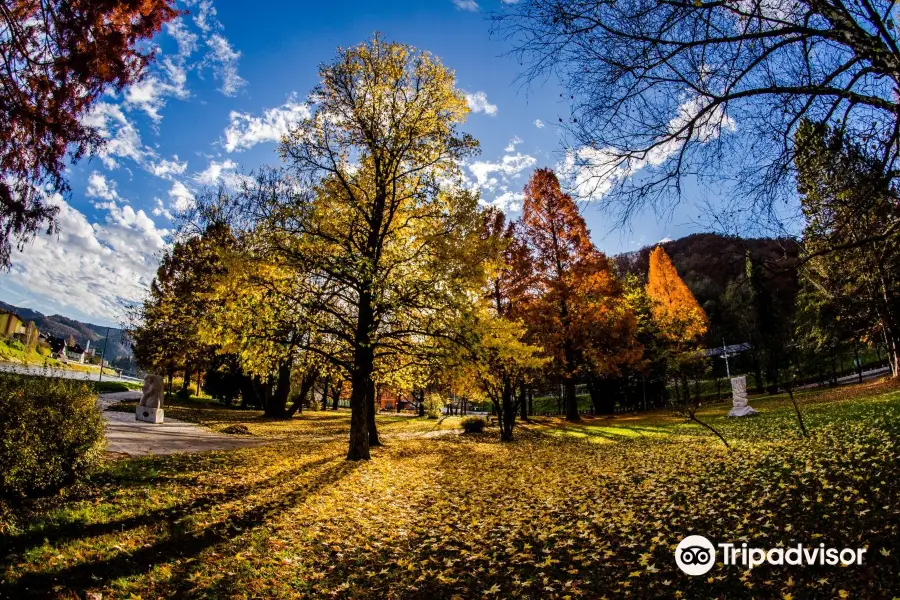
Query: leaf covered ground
column 582, row 511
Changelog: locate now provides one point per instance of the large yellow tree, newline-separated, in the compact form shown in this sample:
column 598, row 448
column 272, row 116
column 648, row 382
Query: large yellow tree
column 379, row 246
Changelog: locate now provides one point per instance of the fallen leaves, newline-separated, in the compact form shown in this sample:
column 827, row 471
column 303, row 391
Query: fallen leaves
column 549, row 516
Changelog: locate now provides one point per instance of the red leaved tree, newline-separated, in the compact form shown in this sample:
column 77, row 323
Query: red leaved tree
column 59, row 58
column 580, row 316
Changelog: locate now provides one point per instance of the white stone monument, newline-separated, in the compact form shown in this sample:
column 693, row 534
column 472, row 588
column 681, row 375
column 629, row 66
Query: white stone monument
column 739, row 396
column 150, row 409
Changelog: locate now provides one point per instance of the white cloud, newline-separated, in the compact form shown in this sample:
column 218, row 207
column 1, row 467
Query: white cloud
column 160, row 210
column 100, row 187
column 478, row 102
column 122, row 138
column 186, row 39
column 167, row 168
column 245, row 131
column 151, row 93
column 220, row 56
column 181, row 198
column 469, row 5
column 510, row 166
column 538, row 123
column 96, row 268
column 216, row 172
column 205, row 16
column 507, row 202
column 224, row 60
column 591, row 173
column 513, row 143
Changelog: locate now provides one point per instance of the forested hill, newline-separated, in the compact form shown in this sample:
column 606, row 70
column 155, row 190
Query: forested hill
column 715, row 269
column 63, row 327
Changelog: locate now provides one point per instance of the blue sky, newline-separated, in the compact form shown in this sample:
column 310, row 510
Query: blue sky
column 228, row 78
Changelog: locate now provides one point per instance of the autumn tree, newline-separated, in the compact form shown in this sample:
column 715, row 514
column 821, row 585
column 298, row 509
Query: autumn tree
column 680, row 319
column 646, row 378
column 250, row 311
column 496, row 356
column 380, row 240
column 59, row 58
column 580, row 317
column 499, row 360
column 166, row 327
column 675, row 309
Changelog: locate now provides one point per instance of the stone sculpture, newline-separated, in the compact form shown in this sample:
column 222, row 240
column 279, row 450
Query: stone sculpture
column 150, row 408
column 741, row 407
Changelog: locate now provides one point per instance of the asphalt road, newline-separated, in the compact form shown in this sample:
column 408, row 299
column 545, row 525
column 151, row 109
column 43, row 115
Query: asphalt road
column 62, row 373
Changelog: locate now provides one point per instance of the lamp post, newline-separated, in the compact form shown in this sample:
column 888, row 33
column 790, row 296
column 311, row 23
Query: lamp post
column 102, row 352
column 724, row 355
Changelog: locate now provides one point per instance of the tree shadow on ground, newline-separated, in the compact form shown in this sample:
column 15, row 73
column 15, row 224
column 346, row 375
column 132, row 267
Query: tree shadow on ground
column 173, row 544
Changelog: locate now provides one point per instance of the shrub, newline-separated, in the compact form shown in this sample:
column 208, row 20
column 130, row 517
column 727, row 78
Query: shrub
column 106, row 387
column 183, row 395
column 473, row 424
column 51, row 434
column 238, row 429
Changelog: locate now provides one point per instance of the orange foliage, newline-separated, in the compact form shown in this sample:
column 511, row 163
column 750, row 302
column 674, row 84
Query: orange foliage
column 675, row 309
column 579, row 315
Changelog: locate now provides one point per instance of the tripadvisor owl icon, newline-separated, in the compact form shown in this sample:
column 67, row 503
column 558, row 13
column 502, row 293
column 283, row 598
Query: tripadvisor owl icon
column 695, row 555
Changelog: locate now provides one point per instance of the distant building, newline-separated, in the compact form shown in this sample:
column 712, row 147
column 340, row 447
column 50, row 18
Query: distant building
column 66, row 350
column 75, row 353
column 11, row 324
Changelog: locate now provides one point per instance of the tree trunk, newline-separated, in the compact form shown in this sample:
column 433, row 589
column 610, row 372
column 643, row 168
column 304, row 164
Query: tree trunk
column 186, row 383
column 888, row 321
column 373, row 431
column 277, row 401
column 530, row 401
column 602, row 397
column 325, row 392
column 757, row 371
column 248, row 393
column 336, row 394
column 506, row 412
column 308, row 384
column 523, row 401
column 359, row 423
column 858, row 362
column 833, row 371
column 571, row 400
column 361, row 378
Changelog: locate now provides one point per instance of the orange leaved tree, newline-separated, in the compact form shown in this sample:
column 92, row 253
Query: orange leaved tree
column 579, row 317
column 681, row 322
column 680, row 319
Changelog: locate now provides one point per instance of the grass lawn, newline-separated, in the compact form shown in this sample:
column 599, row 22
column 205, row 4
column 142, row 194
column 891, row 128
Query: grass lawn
column 581, row 510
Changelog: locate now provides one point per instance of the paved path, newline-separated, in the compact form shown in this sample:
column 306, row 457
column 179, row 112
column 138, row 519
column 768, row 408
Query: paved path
column 127, row 435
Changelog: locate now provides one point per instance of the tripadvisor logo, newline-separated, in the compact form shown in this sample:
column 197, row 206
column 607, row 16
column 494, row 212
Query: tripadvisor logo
column 696, row 555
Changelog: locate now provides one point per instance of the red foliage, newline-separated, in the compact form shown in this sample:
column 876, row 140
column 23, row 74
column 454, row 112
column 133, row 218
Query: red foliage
column 59, row 58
